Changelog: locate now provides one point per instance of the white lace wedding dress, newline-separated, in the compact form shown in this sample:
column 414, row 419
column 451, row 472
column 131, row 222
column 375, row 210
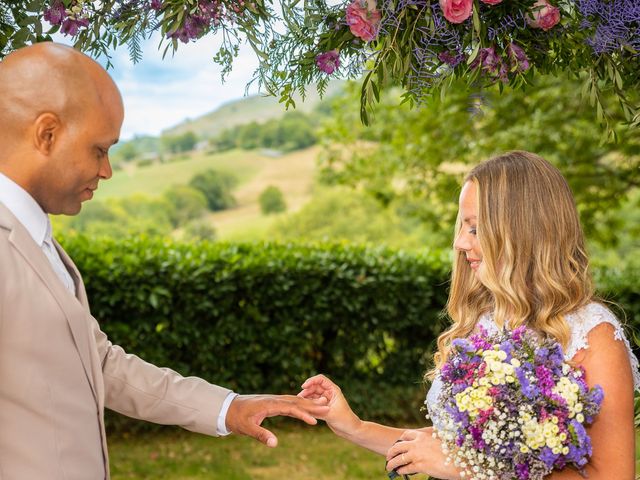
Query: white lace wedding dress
column 581, row 323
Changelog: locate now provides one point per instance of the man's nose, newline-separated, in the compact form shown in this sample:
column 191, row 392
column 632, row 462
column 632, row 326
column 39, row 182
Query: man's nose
column 105, row 172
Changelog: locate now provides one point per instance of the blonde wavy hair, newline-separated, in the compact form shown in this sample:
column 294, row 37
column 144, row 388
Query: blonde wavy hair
column 533, row 249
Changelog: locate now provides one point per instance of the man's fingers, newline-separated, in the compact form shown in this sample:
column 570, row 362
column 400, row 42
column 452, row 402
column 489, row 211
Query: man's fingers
column 289, row 410
column 262, row 435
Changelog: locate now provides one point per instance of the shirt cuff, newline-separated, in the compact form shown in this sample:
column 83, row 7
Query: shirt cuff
column 222, row 416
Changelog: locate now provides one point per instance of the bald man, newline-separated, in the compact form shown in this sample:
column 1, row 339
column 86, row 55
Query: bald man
column 59, row 114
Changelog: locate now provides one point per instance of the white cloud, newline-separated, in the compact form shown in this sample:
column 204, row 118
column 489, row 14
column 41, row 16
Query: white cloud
column 161, row 93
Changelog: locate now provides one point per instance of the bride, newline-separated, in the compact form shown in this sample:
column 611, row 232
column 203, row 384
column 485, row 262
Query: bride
column 520, row 260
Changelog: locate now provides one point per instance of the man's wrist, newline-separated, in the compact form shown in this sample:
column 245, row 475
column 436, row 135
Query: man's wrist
column 221, row 426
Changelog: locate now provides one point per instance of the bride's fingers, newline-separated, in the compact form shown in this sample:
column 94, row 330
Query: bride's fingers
column 313, row 391
column 320, row 380
column 400, row 460
column 409, row 435
column 397, row 449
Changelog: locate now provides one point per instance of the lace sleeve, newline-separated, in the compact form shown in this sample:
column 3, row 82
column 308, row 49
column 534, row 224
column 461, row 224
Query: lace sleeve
column 589, row 317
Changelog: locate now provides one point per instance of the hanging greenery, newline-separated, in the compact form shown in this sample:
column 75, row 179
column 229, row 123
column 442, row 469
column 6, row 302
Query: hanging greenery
column 421, row 45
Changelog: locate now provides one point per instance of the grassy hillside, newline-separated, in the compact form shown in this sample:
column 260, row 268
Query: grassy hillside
column 293, row 174
column 154, row 179
column 249, row 109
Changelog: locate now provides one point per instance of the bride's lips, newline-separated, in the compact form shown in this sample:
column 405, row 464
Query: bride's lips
column 474, row 263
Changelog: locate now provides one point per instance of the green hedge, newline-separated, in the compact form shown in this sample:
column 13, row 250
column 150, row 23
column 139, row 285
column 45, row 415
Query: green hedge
column 262, row 318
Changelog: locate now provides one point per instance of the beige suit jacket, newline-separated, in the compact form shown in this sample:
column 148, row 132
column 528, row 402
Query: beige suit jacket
column 58, row 371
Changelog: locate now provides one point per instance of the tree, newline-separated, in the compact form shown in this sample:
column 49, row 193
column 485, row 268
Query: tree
column 216, row 187
column 272, row 200
column 187, row 202
column 179, row 143
column 249, row 136
column 128, row 151
column 132, row 215
column 200, row 229
column 418, row 156
column 344, row 214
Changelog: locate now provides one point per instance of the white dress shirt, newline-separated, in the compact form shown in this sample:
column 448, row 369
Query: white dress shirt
column 29, row 213
column 37, row 223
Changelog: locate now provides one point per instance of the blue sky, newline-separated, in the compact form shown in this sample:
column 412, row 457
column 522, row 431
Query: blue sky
column 160, row 93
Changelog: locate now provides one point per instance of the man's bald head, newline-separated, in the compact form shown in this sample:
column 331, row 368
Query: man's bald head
column 59, row 113
column 49, row 77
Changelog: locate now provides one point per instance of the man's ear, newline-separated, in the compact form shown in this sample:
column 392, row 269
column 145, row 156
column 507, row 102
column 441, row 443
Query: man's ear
column 46, row 132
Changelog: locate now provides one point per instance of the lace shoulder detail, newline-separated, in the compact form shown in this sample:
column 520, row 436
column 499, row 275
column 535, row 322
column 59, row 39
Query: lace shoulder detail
column 585, row 320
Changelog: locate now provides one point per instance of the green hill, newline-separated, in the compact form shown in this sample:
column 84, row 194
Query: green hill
column 255, row 108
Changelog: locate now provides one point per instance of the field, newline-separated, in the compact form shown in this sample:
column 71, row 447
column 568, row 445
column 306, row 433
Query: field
column 292, row 173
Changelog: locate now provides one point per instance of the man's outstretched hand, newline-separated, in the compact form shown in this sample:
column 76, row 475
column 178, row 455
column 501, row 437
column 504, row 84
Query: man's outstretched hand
column 247, row 412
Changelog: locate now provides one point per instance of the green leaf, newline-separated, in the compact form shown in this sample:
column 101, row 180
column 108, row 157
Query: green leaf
column 477, row 27
column 474, row 53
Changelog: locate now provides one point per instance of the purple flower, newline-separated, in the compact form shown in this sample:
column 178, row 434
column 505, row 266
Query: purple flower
column 528, row 390
column 518, row 333
column 452, row 59
column 596, row 395
column 522, row 471
column 207, row 15
column 614, row 24
column 517, row 58
column 156, row 4
column 70, row 26
column 491, row 64
column 489, row 60
column 548, row 457
column 56, row 13
column 545, row 379
column 328, row 62
column 463, row 345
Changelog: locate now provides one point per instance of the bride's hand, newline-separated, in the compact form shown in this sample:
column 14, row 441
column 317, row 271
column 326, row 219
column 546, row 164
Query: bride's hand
column 340, row 418
column 418, row 452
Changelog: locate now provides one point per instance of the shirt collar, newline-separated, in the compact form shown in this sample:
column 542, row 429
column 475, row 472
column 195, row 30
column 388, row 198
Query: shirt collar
column 25, row 209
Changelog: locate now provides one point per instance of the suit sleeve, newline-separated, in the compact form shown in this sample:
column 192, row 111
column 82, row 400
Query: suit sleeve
column 141, row 390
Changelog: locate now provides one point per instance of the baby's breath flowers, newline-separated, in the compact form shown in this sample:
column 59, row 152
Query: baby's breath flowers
column 512, row 408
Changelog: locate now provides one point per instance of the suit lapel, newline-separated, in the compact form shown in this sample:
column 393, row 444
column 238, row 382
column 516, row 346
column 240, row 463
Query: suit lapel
column 81, row 294
column 75, row 312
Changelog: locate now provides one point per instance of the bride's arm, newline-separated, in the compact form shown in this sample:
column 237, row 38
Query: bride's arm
column 606, row 363
column 346, row 424
column 422, row 452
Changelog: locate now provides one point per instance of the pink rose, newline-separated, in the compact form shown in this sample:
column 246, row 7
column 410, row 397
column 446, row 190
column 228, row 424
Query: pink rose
column 544, row 15
column 456, row 11
column 363, row 19
column 491, row 2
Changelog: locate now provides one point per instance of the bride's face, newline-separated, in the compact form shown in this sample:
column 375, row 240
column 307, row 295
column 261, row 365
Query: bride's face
column 467, row 239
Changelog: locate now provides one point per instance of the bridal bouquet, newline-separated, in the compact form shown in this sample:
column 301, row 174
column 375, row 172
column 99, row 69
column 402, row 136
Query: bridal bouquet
column 511, row 407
